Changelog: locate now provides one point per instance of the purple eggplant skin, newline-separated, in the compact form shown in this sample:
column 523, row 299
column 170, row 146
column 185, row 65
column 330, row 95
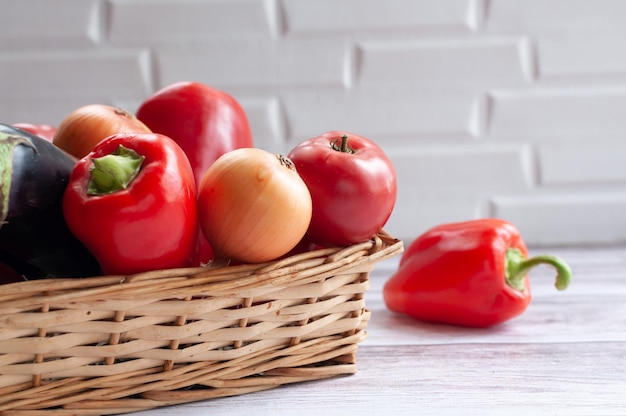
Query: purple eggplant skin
column 34, row 239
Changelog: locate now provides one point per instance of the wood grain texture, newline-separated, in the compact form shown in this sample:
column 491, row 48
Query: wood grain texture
column 566, row 355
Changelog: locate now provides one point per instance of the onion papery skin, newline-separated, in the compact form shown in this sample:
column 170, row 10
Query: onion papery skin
column 253, row 206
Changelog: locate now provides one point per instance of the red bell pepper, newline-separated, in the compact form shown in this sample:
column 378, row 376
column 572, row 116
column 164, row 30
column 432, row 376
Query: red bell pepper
column 132, row 202
column 471, row 273
column 204, row 121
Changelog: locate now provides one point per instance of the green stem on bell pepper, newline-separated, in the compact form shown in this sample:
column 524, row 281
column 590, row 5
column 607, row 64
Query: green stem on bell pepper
column 114, row 171
column 517, row 266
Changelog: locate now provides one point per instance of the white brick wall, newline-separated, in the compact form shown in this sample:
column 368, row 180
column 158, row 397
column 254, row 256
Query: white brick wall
column 509, row 108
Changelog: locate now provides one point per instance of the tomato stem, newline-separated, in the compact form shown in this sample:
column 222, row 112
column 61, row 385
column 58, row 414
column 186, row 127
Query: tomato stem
column 344, row 143
column 517, row 266
column 114, row 172
column 343, row 146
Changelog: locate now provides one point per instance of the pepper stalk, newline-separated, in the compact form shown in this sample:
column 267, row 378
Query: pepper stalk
column 114, row 172
column 517, row 266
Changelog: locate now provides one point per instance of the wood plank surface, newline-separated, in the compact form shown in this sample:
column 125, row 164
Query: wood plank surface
column 566, row 355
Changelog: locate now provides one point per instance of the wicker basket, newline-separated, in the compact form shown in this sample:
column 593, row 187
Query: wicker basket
column 115, row 344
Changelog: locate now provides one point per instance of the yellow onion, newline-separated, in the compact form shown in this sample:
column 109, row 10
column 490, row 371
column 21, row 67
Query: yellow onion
column 253, row 206
column 81, row 130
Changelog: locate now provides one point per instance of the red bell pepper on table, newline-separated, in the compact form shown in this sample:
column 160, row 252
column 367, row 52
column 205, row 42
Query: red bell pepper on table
column 132, row 202
column 471, row 273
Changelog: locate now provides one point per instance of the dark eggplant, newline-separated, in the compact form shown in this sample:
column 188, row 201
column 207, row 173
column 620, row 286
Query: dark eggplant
column 34, row 240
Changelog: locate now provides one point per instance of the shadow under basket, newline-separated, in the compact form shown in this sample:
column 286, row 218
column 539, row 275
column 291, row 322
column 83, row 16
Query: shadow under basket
column 120, row 344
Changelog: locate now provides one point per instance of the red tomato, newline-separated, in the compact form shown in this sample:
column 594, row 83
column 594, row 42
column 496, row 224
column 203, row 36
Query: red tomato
column 352, row 183
column 45, row 131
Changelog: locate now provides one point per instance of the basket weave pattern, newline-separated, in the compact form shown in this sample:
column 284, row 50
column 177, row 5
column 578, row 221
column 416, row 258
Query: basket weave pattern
column 118, row 344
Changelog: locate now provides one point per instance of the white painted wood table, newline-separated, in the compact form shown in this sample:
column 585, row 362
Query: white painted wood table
column 566, row 355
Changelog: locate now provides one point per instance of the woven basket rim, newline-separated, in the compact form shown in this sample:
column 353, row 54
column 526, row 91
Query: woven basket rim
column 215, row 278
